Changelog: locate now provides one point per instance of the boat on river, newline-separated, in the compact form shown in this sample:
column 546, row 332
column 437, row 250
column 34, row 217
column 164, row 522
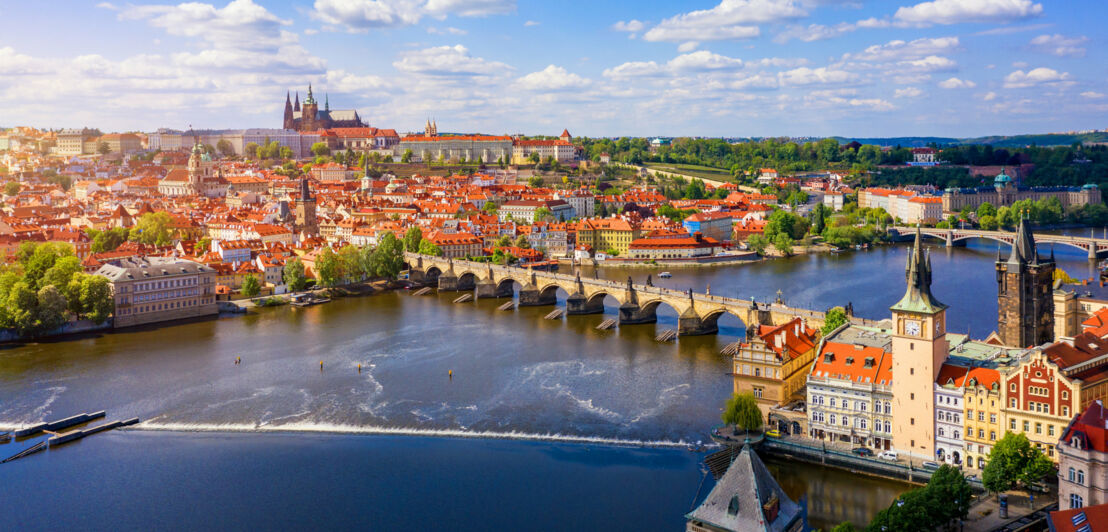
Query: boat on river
column 307, row 300
column 665, row 275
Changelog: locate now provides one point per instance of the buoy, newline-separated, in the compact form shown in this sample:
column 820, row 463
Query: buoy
column 450, row 373
column 359, row 368
column 320, row 365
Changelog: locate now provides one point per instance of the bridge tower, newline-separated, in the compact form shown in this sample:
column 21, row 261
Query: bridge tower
column 919, row 348
column 1024, row 294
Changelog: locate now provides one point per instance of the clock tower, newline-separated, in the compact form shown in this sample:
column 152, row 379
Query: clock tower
column 919, row 349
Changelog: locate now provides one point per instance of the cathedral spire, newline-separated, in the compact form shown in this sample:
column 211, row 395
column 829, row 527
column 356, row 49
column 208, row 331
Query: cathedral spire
column 917, row 298
column 326, row 102
column 296, row 103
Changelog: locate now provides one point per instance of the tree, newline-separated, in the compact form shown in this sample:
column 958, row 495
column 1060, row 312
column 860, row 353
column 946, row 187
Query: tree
column 835, row 318
column 946, row 497
column 784, row 222
column 1013, row 462
column 61, row 273
column 783, row 243
column 251, row 150
column 293, row 275
column 534, row 157
column 225, row 148
column 350, row 263
column 11, row 188
column 202, row 246
column 407, row 157
column 327, row 267
column 490, row 207
column 320, row 149
column 96, row 298
column 534, row 181
column 153, row 228
column 987, row 222
column 50, row 311
column 413, row 238
column 103, row 148
column 388, row 257
column 250, row 286
column 41, row 258
column 757, row 244
column 543, row 214
column 743, row 412
column 503, row 242
column 426, row 247
column 285, row 152
column 522, row 242
column 845, row 526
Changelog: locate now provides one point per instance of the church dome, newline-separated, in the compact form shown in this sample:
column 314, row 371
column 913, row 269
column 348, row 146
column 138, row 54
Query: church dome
column 1002, row 178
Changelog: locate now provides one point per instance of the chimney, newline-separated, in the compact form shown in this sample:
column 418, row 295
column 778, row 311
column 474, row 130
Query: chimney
column 698, row 236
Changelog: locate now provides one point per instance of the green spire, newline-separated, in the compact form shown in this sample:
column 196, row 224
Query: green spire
column 917, row 298
column 310, row 100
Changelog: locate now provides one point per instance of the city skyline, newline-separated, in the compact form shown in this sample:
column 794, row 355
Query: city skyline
column 707, row 68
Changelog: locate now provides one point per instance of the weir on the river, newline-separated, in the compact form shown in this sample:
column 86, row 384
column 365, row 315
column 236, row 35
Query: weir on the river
column 697, row 313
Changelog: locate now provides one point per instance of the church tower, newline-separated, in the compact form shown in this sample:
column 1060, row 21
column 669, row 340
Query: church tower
column 305, row 209
column 289, row 122
column 1024, row 293
column 919, row 348
column 309, row 113
column 196, row 167
column 296, row 104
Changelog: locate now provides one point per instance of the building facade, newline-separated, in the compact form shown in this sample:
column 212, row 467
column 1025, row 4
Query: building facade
column 1083, row 460
column 849, row 390
column 158, row 289
column 1005, row 192
column 773, row 363
column 1025, row 294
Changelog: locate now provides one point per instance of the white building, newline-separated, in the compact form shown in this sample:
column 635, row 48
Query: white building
column 949, row 390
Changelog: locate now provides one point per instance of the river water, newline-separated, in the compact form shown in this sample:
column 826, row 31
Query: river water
column 545, row 424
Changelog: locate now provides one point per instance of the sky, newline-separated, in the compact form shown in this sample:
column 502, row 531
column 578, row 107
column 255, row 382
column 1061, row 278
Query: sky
column 732, row 68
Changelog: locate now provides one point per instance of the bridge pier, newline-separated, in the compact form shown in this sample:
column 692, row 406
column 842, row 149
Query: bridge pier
column 632, row 314
column 448, row 283
column 532, row 297
column 1092, row 251
column 578, row 304
column 489, row 289
column 695, row 326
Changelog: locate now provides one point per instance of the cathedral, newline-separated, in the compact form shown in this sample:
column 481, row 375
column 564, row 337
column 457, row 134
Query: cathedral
column 310, row 118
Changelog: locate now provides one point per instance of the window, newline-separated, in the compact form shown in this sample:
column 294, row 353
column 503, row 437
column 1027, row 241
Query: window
column 832, row 404
column 1012, row 387
column 758, row 393
column 1012, row 402
column 912, row 421
column 1081, row 477
column 942, row 432
column 1026, row 426
column 981, row 433
column 956, row 434
column 980, row 416
column 1066, row 411
column 1073, row 475
column 1050, row 430
column 1076, row 501
column 1065, row 394
column 912, row 396
column 1012, row 424
column 1038, row 428
column 992, row 418
column 832, row 418
column 992, row 435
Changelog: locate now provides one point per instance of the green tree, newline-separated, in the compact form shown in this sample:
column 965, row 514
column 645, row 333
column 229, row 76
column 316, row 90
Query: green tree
column 534, row 181
column 294, row 276
column 534, row 157
column 946, row 497
column 11, row 188
column 96, row 298
column 103, row 148
column 41, row 259
column 987, row 222
column 845, row 526
column 327, row 267
column 742, row 411
column 757, row 244
column 285, row 152
column 503, row 242
column 407, row 157
column 490, row 207
column 1014, row 462
column 784, row 222
column 50, row 311
column 835, row 318
column 22, row 307
column 320, row 149
column 108, row 240
column 202, row 246
column 522, row 242
column 153, row 228
column 225, row 148
column 250, row 286
column 61, row 272
column 426, row 247
column 783, row 243
column 543, row 214
column 388, row 256
column 251, row 150
column 350, row 263
column 412, row 239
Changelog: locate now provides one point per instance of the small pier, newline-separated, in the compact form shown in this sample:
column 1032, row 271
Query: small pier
column 422, row 291
column 731, row 349
column 609, row 323
column 511, row 305
column 555, row 314
column 465, row 298
column 56, row 438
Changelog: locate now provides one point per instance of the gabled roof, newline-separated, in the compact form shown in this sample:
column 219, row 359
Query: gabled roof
column 748, row 498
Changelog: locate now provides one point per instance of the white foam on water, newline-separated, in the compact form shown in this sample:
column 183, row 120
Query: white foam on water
column 404, row 431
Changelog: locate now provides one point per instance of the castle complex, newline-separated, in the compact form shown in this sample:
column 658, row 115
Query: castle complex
column 310, row 118
column 1005, row 191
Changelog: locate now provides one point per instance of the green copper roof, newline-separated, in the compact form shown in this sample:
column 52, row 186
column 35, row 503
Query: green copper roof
column 1002, row 178
column 917, row 298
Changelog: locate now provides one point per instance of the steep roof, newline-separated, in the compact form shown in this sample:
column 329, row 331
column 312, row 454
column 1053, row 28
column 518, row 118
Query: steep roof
column 917, row 298
column 747, row 498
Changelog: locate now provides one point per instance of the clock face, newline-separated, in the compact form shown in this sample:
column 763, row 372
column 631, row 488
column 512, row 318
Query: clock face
column 912, row 327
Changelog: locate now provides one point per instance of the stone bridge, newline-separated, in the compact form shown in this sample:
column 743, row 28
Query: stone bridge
column 953, row 237
column 638, row 303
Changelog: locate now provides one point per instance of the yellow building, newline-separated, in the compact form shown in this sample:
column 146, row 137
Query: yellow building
column 984, row 414
column 773, row 364
column 608, row 234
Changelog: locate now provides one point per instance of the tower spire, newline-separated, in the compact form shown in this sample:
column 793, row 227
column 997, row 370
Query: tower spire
column 917, row 296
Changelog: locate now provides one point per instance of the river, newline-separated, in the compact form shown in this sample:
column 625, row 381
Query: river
column 545, row 424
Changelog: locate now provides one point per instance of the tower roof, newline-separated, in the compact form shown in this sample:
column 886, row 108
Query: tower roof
column 305, row 192
column 747, row 497
column 1023, row 247
column 310, row 100
column 917, row 298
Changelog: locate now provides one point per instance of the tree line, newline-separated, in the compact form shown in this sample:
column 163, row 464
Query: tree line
column 46, row 287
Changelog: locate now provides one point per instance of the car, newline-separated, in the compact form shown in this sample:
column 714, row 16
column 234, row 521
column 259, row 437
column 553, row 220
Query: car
column 862, row 451
column 773, row 433
column 929, row 466
column 890, row 455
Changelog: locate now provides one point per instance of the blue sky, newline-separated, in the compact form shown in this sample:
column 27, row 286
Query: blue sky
column 706, row 67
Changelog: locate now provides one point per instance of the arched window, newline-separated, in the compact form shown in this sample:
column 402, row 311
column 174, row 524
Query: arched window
column 1076, row 501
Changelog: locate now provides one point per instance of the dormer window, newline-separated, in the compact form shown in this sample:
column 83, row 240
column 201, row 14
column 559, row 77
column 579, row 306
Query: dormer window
column 849, row 361
column 869, row 362
column 828, row 358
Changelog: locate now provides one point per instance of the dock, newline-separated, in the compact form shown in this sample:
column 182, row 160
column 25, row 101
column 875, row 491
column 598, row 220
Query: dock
column 511, row 305
column 555, row 314
column 422, row 291
column 609, row 323
column 59, row 424
column 465, row 298
column 57, row 438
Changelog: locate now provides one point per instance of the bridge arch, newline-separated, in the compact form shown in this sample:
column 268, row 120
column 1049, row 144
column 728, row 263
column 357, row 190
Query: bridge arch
column 711, row 319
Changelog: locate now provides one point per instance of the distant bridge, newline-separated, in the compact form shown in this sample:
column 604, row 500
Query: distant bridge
column 697, row 313
column 953, row 237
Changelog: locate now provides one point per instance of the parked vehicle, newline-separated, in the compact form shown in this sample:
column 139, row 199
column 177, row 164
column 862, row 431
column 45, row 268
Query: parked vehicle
column 929, row 466
column 889, row 455
column 864, row 452
column 773, row 433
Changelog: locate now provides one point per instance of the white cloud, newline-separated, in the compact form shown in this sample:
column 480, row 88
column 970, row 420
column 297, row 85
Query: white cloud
column 931, row 63
column 346, row 82
column 530, row 23
column 730, row 20
column 989, row 96
column 445, row 31
column 1060, row 45
column 447, row 61
column 631, row 26
column 14, row 64
column 107, row 5
column 552, row 78
column 812, row 76
column 1020, row 64
column 687, row 46
column 962, row 11
column 955, row 83
column 1042, row 75
column 240, row 24
column 633, row 69
column 907, row 92
column 703, row 61
column 359, row 16
column 899, row 50
column 1092, row 95
column 813, row 32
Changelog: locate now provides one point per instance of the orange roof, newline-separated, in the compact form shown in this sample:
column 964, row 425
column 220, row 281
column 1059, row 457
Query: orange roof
column 849, row 362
